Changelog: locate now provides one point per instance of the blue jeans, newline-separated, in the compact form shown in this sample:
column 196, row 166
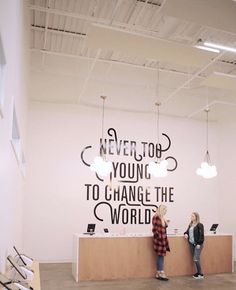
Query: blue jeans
column 196, row 256
column 160, row 263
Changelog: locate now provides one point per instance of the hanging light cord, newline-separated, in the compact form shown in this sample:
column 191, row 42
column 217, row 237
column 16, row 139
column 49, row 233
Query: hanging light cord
column 158, row 110
column 207, row 110
column 103, row 105
column 208, row 160
column 158, row 118
column 103, row 115
column 158, row 130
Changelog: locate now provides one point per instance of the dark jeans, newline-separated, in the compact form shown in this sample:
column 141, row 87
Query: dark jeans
column 196, row 256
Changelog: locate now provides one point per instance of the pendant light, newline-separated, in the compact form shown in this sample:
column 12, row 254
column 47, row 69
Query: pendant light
column 207, row 170
column 158, row 168
column 100, row 165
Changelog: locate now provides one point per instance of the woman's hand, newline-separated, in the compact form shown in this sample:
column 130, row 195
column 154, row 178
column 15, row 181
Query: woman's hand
column 186, row 236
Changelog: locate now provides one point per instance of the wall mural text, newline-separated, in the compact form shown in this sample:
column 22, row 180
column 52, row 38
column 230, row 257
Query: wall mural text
column 124, row 197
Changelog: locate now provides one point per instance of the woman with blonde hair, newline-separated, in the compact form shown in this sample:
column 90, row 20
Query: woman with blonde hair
column 160, row 241
column 195, row 236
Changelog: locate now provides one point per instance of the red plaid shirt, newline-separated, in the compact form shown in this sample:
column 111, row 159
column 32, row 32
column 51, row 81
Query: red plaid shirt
column 160, row 241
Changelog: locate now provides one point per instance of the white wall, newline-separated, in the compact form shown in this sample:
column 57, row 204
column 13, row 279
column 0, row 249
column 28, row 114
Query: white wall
column 14, row 38
column 56, row 177
column 227, row 190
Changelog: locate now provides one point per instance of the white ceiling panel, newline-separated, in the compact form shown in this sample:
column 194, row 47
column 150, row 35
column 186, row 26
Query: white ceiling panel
column 220, row 80
column 101, row 37
column 188, row 104
column 223, row 111
column 219, row 14
column 119, row 97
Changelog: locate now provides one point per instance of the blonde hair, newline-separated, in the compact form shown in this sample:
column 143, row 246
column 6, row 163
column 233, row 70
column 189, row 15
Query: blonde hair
column 197, row 216
column 161, row 212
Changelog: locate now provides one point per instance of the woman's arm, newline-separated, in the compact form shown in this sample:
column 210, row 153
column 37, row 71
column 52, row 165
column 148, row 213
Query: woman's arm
column 156, row 226
column 187, row 231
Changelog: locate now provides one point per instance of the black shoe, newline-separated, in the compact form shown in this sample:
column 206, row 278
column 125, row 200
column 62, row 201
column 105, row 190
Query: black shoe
column 163, row 278
column 198, row 276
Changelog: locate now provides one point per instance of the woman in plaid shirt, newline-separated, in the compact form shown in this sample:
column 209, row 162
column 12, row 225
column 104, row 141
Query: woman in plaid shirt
column 160, row 241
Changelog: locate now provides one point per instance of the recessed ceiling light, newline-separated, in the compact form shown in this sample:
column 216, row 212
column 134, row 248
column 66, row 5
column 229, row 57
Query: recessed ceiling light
column 219, row 46
column 208, row 48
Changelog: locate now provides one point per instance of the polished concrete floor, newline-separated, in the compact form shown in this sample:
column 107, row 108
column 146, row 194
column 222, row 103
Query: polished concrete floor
column 58, row 277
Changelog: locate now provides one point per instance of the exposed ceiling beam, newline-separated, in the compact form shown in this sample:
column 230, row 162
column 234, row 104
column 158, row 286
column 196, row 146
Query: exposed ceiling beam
column 193, row 77
column 97, row 79
column 92, row 19
column 89, row 74
column 46, row 29
column 113, row 62
column 216, row 14
column 215, row 102
column 149, row 3
column 114, row 11
column 68, row 14
column 97, row 56
column 140, row 12
column 58, row 31
column 111, row 21
column 201, row 109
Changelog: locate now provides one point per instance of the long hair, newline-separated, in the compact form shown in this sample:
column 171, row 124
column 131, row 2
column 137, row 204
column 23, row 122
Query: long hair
column 161, row 212
column 197, row 216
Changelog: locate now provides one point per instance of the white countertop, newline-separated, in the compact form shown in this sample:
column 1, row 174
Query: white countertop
column 138, row 235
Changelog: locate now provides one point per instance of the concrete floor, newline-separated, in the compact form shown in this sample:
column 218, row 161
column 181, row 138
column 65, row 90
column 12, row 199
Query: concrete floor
column 58, row 277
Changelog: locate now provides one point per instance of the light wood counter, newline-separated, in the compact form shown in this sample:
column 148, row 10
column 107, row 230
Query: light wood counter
column 35, row 284
column 121, row 257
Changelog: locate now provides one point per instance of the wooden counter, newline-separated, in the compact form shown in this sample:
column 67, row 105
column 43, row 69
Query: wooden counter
column 35, row 284
column 122, row 257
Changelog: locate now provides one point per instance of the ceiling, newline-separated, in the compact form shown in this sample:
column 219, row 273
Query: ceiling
column 136, row 52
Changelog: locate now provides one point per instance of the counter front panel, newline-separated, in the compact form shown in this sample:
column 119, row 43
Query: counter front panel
column 106, row 258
